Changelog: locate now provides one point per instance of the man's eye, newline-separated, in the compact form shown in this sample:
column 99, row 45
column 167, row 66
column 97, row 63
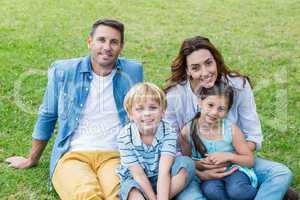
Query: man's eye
column 101, row 39
column 115, row 42
column 210, row 105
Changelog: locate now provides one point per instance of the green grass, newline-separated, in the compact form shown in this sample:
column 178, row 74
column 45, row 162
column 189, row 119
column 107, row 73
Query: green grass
column 258, row 38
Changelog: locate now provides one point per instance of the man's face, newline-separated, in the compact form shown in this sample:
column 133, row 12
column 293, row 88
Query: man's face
column 105, row 46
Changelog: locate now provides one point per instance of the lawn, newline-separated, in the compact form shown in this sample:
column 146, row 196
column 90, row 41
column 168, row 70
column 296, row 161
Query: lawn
column 258, row 38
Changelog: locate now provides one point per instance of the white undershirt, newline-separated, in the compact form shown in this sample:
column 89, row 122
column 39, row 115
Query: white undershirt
column 100, row 124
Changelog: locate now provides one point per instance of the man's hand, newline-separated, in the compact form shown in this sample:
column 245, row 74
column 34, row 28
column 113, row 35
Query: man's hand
column 214, row 173
column 20, row 162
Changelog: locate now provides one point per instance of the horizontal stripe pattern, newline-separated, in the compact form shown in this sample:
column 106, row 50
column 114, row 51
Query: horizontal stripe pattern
column 134, row 152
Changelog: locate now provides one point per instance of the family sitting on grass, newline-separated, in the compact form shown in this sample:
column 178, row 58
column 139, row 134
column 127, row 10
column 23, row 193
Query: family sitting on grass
column 119, row 138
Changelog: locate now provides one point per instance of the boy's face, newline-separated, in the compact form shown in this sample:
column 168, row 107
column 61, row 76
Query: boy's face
column 213, row 108
column 146, row 115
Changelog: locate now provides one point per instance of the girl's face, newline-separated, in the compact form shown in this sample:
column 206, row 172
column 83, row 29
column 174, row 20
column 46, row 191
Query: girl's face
column 213, row 108
column 202, row 67
column 146, row 115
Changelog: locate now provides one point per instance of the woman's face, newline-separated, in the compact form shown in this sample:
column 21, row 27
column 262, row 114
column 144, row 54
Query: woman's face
column 202, row 68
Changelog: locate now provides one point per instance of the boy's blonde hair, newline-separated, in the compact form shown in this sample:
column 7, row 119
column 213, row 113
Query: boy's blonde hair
column 142, row 91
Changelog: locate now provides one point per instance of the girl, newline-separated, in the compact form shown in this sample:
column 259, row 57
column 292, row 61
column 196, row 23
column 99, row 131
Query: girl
column 212, row 138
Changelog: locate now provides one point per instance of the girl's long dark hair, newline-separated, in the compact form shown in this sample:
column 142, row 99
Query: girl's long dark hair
column 200, row 147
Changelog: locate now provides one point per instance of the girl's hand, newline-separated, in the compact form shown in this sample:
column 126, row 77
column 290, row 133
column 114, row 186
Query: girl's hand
column 219, row 157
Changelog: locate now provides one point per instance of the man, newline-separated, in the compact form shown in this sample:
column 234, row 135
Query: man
column 86, row 96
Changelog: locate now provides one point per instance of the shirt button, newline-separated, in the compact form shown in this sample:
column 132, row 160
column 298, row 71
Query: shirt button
column 77, row 119
column 81, row 105
column 90, row 77
column 86, row 89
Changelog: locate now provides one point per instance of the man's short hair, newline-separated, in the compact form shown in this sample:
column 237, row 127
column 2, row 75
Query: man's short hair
column 111, row 23
column 143, row 91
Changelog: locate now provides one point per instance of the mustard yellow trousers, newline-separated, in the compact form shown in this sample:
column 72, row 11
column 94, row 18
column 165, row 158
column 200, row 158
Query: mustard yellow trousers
column 87, row 175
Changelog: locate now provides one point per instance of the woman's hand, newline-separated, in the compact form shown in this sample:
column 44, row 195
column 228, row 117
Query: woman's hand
column 216, row 173
column 206, row 165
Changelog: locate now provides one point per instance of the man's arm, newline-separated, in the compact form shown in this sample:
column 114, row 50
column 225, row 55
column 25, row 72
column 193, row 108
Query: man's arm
column 21, row 162
column 44, row 126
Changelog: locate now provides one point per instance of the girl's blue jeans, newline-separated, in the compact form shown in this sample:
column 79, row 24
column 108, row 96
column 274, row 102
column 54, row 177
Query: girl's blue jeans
column 236, row 186
column 273, row 178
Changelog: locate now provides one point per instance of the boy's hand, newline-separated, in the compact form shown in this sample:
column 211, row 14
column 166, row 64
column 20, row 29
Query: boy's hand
column 20, row 162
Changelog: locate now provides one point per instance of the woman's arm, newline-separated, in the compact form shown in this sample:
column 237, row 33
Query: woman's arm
column 164, row 177
column 248, row 119
column 216, row 173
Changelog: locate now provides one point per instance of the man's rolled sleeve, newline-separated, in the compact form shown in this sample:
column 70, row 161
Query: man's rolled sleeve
column 47, row 118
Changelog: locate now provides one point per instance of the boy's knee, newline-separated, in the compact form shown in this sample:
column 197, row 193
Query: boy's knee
column 184, row 165
column 135, row 194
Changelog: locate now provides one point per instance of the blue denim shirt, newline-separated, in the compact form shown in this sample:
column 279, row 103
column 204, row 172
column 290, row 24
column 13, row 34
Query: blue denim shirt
column 66, row 93
column 182, row 107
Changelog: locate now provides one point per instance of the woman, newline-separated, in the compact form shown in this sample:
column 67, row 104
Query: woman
column 199, row 64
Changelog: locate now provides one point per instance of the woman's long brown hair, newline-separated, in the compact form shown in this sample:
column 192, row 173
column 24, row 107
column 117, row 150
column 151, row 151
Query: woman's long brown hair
column 179, row 66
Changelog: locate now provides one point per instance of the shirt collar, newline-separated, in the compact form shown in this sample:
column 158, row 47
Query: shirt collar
column 86, row 65
column 136, row 138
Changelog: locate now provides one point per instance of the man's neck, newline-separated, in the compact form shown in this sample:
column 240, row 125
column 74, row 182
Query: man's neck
column 100, row 70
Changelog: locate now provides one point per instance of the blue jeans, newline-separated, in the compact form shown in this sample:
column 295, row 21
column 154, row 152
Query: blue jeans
column 273, row 179
column 236, row 186
column 179, row 163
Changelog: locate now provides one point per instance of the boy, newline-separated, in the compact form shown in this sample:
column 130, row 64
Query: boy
column 147, row 146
